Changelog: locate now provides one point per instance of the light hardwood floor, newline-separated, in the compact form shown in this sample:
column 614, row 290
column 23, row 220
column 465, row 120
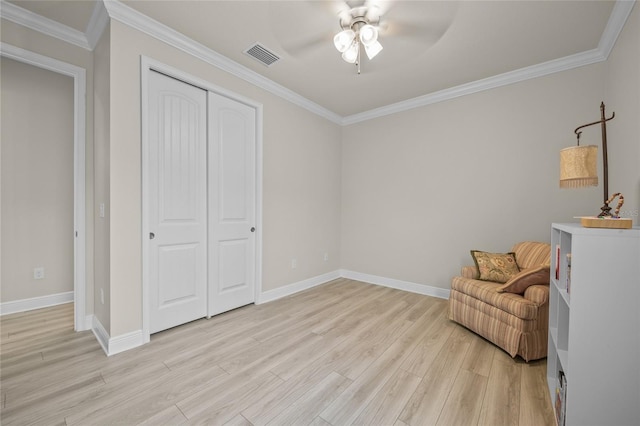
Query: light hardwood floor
column 341, row 353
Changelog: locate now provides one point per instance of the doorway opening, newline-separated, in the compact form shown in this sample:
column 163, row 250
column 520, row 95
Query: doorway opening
column 78, row 230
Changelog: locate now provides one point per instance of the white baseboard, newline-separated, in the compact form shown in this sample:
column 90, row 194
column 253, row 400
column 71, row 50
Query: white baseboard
column 423, row 289
column 35, row 303
column 126, row 341
column 287, row 290
column 115, row 345
column 101, row 334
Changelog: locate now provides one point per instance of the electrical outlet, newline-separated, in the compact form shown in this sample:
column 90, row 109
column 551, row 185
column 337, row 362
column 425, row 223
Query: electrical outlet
column 38, row 273
column 326, row 257
column 101, row 209
column 294, row 263
column 102, row 296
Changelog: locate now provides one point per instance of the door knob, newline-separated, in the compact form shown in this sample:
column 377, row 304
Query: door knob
column 253, row 229
column 151, row 235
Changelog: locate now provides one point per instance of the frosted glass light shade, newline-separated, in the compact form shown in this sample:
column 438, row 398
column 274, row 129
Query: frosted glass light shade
column 351, row 54
column 343, row 40
column 373, row 49
column 368, row 35
column 578, row 166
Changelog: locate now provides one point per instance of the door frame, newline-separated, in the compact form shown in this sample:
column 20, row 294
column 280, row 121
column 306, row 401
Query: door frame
column 80, row 320
column 148, row 65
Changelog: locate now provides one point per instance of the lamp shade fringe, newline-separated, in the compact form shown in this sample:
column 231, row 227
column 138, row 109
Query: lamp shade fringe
column 578, row 182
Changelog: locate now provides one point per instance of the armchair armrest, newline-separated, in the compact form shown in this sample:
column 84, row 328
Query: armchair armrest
column 538, row 294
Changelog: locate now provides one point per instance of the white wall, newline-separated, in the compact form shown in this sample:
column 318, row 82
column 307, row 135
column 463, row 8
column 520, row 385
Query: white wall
column 622, row 96
column 102, row 105
column 302, row 195
column 37, row 181
column 423, row 187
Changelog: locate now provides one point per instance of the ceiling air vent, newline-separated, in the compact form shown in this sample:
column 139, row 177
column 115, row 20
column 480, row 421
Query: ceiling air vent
column 262, row 54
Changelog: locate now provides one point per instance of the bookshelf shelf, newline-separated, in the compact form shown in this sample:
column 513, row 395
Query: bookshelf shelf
column 594, row 338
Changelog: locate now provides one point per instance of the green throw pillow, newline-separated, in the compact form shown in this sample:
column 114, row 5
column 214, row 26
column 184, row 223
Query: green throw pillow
column 496, row 267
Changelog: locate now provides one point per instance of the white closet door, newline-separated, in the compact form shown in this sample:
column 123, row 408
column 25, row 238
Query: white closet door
column 232, row 209
column 177, row 202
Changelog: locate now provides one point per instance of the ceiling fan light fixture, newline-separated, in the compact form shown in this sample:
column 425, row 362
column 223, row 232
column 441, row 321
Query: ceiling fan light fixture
column 344, row 40
column 368, row 35
column 358, row 33
column 351, row 54
column 373, row 49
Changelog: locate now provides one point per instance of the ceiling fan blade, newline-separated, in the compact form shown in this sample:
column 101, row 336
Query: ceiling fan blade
column 313, row 28
column 340, row 9
column 427, row 21
column 404, row 28
column 377, row 8
column 408, row 29
column 307, row 45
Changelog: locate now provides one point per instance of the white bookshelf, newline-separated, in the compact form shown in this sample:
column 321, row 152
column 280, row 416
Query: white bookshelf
column 594, row 326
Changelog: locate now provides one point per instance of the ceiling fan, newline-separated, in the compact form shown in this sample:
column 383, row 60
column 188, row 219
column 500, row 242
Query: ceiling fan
column 314, row 29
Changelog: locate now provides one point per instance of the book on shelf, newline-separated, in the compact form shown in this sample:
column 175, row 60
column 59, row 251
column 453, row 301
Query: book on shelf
column 568, row 273
column 557, row 262
column 561, row 397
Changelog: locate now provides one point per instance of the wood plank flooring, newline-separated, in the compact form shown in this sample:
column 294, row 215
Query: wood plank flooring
column 342, row 353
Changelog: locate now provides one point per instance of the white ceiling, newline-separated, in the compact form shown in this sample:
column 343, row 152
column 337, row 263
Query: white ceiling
column 429, row 46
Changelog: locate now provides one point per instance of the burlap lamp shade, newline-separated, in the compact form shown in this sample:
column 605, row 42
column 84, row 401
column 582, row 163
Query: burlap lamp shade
column 578, row 166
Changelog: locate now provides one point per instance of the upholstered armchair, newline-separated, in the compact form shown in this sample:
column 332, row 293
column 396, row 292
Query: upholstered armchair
column 514, row 312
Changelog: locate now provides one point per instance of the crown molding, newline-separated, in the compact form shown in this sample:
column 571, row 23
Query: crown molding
column 20, row 16
column 143, row 23
column 619, row 15
column 97, row 24
column 539, row 70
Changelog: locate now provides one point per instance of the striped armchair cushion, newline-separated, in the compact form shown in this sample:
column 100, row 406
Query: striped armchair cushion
column 485, row 291
column 530, row 254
